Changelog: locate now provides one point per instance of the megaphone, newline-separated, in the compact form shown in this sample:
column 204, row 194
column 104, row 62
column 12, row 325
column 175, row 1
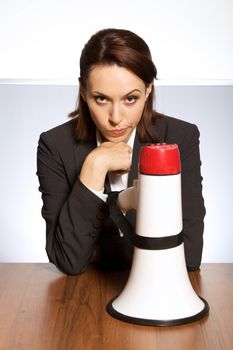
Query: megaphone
column 158, row 291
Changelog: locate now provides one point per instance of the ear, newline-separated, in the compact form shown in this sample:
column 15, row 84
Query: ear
column 148, row 90
column 82, row 92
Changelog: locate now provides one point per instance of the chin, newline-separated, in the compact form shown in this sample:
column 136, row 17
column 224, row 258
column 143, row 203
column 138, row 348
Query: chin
column 118, row 139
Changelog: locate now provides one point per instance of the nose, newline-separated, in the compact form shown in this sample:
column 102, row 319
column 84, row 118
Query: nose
column 115, row 114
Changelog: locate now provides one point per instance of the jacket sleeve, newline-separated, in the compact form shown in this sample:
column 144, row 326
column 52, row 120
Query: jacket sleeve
column 192, row 199
column 73, row 214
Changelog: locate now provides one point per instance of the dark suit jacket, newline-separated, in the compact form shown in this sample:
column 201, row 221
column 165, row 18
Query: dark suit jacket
column 77, row 220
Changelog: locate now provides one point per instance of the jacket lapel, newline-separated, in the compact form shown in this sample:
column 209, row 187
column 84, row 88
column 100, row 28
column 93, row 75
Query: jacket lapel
column 133, row 174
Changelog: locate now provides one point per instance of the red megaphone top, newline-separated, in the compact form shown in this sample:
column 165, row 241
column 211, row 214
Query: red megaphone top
column 159, row 159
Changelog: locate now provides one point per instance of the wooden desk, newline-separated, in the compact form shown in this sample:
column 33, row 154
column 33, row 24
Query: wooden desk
column 40, row 308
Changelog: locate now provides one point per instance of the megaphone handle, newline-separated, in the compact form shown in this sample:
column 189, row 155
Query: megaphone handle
column 149, row 243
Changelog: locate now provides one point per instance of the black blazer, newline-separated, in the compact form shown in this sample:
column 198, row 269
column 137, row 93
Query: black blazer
column 77, row 220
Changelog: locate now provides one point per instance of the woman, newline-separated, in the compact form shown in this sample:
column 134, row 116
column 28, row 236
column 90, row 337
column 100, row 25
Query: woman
column 83, row 160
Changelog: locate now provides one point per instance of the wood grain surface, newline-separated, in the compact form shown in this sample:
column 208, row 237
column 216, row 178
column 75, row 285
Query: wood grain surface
column 41, row 308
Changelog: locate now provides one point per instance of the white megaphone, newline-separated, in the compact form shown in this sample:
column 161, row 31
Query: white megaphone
column 158, row 291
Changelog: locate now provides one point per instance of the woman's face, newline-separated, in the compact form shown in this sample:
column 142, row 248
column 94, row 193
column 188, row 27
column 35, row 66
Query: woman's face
column 116, row 99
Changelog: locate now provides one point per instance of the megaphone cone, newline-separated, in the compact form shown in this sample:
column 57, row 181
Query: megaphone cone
column 158, row 291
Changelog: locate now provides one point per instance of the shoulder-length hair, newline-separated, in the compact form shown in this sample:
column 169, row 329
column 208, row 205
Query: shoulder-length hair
column 127, row 50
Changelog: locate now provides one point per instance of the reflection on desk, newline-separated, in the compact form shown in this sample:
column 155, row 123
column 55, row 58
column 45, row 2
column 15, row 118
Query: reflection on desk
column 40, row 308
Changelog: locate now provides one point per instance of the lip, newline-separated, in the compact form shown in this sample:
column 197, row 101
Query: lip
column 118, row 132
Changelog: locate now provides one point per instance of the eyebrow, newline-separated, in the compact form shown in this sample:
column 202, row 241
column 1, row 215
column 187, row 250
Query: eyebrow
column 128, row 93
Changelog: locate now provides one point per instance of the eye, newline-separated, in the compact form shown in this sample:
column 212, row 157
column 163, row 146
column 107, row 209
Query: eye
column 100, row 99
column 131, row 99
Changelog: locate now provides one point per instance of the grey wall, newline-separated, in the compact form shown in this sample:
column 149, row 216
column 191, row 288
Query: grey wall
column 27, row 110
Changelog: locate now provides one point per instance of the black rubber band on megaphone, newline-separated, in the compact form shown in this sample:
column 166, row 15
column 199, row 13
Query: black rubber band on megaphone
column 149, row 243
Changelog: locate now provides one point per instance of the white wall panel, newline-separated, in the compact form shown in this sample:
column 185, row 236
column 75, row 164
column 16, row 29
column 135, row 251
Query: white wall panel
column 189, row 39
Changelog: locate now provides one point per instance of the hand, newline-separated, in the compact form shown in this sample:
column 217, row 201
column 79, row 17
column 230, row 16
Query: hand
column 113, row 156
column 109, row 156
column 128, row 199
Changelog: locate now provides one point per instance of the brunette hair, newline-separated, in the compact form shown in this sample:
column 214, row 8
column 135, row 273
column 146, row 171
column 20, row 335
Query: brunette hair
column 127, row 50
